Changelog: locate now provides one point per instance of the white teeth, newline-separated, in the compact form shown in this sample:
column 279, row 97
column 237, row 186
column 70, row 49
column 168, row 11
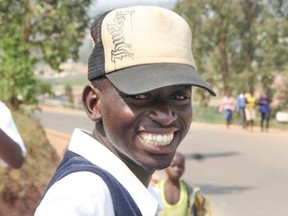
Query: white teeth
column 157, row 139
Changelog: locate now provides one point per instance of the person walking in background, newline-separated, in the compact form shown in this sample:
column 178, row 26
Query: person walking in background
column 250, row 108
column 228, row 107
column 139, row 99
column 240, row 108
column 178, row 197
column 12, row 148
column 264, row 108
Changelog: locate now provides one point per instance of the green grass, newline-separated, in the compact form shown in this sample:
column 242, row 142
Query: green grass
column 207, row 114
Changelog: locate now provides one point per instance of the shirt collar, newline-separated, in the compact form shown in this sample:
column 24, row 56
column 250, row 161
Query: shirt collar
column 85, row 145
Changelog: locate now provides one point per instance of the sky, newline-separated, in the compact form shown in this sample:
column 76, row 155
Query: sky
column 103, row 5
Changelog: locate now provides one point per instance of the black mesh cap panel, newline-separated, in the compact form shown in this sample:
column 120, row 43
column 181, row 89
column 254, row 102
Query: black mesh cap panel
column 96, row 62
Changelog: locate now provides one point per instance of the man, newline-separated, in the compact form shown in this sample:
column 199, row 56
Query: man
column 240, row 107
column 141, row 72
column 12, row 148
column 264, row 108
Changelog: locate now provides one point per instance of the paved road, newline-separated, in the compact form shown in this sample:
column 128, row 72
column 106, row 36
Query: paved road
column 242, row 173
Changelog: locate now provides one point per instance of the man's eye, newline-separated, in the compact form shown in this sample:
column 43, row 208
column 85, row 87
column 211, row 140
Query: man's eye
column 140, row 96
column 179, row 97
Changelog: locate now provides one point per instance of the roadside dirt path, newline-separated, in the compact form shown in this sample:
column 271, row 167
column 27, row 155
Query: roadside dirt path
column 58, row 141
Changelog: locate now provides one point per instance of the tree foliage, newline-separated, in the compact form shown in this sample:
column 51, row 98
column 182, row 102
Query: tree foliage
column 238, row 43
column 35, row 31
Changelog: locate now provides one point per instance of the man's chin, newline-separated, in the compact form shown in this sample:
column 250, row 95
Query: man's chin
column 158, row 165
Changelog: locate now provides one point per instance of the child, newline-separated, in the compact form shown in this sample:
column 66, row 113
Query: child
column 177, row 196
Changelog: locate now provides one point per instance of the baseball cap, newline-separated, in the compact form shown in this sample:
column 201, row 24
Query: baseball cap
column 142, row 48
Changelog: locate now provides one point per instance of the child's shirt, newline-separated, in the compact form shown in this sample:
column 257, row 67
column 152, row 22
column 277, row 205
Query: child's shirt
column 181, row 207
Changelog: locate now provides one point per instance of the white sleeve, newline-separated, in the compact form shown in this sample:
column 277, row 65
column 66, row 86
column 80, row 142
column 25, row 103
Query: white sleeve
column 79, row 193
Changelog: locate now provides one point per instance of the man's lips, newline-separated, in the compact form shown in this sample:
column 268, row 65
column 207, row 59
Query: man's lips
column 156, row 139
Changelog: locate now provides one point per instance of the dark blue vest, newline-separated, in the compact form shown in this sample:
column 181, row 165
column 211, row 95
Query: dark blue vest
column 123, row 203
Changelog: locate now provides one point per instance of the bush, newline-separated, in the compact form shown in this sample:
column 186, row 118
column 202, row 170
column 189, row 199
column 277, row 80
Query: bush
column 21, row 190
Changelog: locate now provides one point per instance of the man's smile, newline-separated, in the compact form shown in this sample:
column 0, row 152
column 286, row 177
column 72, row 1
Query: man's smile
column 156, row 139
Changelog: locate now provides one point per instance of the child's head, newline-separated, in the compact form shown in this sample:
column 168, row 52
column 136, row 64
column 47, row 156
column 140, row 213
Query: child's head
column 177, row 167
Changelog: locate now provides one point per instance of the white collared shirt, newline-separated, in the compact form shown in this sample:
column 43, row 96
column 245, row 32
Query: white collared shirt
column 84, row 193
column 7, row 124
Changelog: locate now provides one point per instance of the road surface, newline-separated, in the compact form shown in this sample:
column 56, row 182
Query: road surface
column 241, row 172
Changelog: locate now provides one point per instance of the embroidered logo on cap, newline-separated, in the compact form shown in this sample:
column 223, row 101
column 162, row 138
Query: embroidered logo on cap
column 121, row 49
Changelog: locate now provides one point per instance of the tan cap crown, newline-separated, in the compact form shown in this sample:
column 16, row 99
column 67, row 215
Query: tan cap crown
column 145, row 35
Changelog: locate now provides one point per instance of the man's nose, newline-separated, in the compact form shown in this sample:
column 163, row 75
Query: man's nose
column 163, row 114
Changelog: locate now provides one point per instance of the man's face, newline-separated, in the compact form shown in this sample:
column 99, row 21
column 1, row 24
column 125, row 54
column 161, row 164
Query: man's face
column 145, row 129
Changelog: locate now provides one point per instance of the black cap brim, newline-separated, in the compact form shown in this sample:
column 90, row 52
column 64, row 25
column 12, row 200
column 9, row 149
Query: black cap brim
column 144, row 78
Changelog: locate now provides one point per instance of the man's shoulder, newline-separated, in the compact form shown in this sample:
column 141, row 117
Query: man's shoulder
column 88, row 180
column 74, row 193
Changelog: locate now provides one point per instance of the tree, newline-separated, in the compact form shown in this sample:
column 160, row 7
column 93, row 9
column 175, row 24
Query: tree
column 35, row 31
column 240, row 43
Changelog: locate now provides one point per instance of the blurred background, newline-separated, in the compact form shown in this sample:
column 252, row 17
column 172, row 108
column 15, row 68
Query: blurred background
column 45, row 46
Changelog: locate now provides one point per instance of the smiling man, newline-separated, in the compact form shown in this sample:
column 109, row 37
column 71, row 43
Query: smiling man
column 141, row 71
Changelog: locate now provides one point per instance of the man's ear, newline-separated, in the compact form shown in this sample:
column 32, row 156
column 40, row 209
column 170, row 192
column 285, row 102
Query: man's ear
column 90, row 100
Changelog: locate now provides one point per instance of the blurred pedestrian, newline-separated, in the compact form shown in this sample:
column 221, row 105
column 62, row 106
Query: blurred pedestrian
column 240, row 108
column 12, row 148
column 264, row 108
column 178, row 197
column 227, row 106
column 250, row 108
